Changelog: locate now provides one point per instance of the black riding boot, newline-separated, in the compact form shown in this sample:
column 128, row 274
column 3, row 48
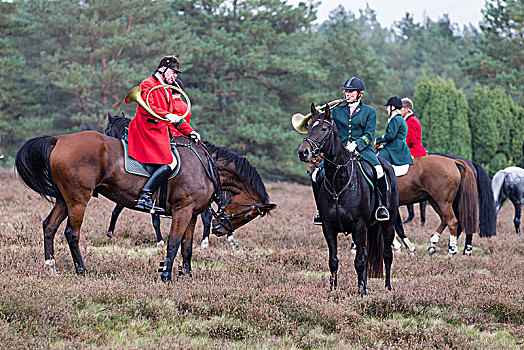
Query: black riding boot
column 382, row 213
column 316, row 188
column 145, row 199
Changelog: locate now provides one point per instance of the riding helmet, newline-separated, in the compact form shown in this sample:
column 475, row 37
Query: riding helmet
column 354, row 83
column 170, row 62
column 395, row 102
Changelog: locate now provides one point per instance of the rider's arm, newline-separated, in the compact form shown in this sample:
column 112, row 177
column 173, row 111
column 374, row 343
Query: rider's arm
column 369, row 131
column 391, row 131
column 154, row 96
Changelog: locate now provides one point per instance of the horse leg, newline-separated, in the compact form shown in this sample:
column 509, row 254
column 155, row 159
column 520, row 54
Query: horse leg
column 361, row 258
column 400, row 231
column 468, row 247
column 155, row 219
column 411, row 213
column 231, row 241
column 518, row 213
column 50, row 225
column 422, row 206
column 388, row 234
column 179, row 223
column 72, row 234
column 114, row 216
column 206, row 221
column 187, row 247
column 331, row 239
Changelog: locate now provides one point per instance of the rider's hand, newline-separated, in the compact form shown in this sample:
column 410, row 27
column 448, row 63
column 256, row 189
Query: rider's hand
column 194, row 135
column 173, row 118
column 351, row 146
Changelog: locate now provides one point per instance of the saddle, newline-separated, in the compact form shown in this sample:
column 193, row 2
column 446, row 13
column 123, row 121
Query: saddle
column 134, row 167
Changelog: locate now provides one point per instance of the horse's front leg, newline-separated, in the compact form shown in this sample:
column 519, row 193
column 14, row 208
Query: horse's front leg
column 114, row 217
column 187, row 247
column 388, row 234
column 50, row 225
column 361, row 258
column 331, row 239
column 180, row 221
column 206, row 216
column 155, row 220
column 400, row 231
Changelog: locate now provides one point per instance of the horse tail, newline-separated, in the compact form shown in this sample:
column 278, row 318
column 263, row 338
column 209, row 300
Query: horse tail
column 496, row 185
column 487, row 210
column 375, row 246
column 33, row 166
column 468, row 207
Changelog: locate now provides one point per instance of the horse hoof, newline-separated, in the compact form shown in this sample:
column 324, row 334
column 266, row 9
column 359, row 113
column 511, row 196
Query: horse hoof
column 234, row 245
column 205, row 243
column 109, row 234
column 431, row 250
column 165, row 277
column 160, row 245
column 81, row 271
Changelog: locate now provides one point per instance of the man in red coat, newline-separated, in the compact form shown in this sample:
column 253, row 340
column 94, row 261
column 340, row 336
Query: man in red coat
column 148, row 136
column 180, row 108
column 414, row 141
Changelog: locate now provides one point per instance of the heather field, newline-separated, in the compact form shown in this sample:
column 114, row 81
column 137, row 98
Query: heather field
column 272, row 293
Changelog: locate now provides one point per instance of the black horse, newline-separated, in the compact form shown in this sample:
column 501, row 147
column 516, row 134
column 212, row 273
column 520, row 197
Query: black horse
column 116, row 127
column 347, row 202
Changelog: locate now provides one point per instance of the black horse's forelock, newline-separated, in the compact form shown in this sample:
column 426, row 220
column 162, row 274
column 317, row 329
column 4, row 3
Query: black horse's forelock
column 242, row 167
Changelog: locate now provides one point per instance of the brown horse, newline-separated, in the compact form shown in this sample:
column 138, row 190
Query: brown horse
column 73, row 168
column 439, row 180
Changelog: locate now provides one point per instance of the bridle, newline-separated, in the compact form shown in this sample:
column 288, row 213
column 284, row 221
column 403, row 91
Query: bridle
column 225, row 220
column 316, row 147
column 220, row 214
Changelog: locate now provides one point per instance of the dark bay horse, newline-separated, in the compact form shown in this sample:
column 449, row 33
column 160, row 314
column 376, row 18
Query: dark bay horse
column 73, row 168
column 440, row 180
column 116, row 127
column 347, row 202
column 509, row 184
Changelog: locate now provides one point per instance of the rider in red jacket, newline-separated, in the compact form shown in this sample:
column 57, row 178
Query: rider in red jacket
column 180, row 107
column 414, row 141
column 148, row 136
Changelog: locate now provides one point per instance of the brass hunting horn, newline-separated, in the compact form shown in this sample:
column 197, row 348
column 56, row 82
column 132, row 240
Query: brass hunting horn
column 300, row 121
column 135, row 95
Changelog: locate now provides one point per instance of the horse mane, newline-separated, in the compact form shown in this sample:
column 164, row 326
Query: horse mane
column 245, row 169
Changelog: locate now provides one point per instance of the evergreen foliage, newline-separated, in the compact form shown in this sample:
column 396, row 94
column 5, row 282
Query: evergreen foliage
column 443, row 113
column 249, row 65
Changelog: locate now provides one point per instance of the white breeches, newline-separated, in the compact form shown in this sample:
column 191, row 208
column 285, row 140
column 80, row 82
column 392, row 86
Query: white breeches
column 380, row 171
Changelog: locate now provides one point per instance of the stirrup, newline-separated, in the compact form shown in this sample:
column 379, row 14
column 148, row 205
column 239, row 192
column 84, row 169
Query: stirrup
column 383, row 218
column 317, row 220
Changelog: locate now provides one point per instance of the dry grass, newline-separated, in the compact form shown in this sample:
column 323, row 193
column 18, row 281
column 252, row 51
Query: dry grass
column 271, row 293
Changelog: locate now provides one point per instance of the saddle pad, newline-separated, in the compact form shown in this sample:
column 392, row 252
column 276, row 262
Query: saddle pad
column 400, row 170
column 133, row 166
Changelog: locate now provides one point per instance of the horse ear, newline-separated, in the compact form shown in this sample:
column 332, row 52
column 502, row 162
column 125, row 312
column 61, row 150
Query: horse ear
column 122, row 114
column 109, row 117
column 327, row 112
column 313, row 109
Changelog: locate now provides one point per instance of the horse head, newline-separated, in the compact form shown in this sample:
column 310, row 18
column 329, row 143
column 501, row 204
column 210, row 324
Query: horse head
column 249, row 198
column 116, row 125
column 319, row 131
column 238, row 211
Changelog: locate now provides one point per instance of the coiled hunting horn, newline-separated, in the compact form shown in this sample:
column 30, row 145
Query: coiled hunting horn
column 135, row 95
column 300, row 121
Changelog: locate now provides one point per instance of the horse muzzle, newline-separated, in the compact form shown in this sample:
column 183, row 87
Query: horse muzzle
column 304, row 153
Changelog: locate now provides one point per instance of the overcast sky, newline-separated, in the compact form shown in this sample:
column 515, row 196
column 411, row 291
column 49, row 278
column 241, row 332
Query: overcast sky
column 462, row 12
